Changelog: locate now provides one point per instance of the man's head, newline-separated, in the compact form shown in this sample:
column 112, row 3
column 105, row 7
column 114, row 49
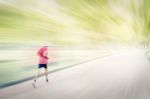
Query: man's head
column 44, row 43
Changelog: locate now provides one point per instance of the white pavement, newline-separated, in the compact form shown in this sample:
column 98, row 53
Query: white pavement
column 121, row 76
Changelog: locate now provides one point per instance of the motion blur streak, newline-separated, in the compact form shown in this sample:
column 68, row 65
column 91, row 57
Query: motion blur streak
column 75, row 22
column 76, row 30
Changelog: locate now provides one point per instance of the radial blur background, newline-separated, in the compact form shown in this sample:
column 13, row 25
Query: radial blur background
column 76, row 30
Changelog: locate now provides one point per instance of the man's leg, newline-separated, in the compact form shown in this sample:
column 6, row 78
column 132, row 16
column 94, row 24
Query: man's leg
column 46, row 74
column 36, row 77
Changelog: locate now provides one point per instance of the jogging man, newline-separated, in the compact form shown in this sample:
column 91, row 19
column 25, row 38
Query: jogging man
column 43, row 61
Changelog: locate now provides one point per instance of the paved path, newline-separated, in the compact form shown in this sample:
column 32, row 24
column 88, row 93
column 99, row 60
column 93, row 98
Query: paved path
column 122, row 76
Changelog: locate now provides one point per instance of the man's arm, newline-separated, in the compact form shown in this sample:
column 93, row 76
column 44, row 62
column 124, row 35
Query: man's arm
column 45, row 55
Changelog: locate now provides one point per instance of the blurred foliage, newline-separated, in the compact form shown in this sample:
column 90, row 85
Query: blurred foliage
column 75, row 22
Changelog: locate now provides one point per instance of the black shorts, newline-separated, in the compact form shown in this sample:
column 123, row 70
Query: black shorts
column 42, row 65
